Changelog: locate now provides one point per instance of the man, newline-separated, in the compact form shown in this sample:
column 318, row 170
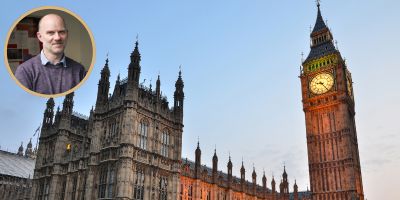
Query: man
column 51, row 72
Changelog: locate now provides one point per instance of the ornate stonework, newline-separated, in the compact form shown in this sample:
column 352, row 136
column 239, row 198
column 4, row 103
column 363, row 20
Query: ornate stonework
column 328, row 103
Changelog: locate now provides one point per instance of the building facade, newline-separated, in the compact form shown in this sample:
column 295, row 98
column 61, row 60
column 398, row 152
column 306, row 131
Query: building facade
column 16, row 172
column 130, row 148
column 328, row 104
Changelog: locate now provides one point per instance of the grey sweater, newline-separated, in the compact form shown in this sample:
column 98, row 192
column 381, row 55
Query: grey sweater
column 49, row 79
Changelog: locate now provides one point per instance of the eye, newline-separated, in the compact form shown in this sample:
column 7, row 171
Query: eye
column 62, row 32
column 50, row 32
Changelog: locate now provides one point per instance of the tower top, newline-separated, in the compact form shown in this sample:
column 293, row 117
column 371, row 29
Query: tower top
column 319, row 23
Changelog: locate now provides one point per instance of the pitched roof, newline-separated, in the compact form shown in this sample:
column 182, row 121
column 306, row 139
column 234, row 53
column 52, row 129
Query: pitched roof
column 13, row 165
column 321, row 50
column 319, row 23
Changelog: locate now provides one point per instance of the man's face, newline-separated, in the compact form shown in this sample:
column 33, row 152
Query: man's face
column 53, row 34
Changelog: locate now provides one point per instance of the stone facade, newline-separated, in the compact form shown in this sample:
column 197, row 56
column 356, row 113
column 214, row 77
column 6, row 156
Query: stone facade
column 202, row 182
column 328, row 103
column 130, row 148
column 16, row 171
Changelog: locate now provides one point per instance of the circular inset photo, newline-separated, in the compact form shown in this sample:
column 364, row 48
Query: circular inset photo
column 50, row 51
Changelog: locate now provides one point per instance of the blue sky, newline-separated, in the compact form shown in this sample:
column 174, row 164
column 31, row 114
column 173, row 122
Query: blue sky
column 240, row 63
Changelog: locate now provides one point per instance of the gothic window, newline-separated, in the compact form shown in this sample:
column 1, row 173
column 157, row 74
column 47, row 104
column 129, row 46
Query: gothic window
column 41, row 189
column 138, row 191
column 74, row 183
column 181, row 193
column 164, row 143
column 143, row 128
column 102, row 182
column 110, row 181
column 190, row 192
column 63, row 186
column 208, row 197
column 107, row 180
column 163, row 188
column 46, row 189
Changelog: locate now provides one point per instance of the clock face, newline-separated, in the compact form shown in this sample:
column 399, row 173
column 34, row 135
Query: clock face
column 321, row 83
column 349, row 89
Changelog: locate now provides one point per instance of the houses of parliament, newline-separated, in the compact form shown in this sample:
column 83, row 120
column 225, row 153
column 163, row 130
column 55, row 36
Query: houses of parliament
column 129, row 148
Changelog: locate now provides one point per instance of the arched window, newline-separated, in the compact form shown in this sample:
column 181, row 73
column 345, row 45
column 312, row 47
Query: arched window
column 107, row 180
column 163, row 188
column 164, row 143
column 138, row 186
column 190, row 192
column 143, row 130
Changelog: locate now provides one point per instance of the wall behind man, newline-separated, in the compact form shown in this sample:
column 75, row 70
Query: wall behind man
column 79, row 46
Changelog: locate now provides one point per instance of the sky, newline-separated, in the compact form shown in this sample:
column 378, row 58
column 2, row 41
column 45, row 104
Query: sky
column 240, row 63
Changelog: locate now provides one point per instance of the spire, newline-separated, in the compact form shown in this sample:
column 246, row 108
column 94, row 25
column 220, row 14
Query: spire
column 319, row 23
column 68, row 104
column 215, row 165
column 106, row 70
column 254, row 175
column 117, row 86
column 29, row 150
column 179, row 96
column 197, row 160
column 21, row 150
column 264, row 180
column 48, row 114
column 229, row 165
column 321, row 40
column 242, row 172
column 158, row 87
column 284, row 174
column 273, row 184
column 103, row 87
column 134, row 66
column 295, row 191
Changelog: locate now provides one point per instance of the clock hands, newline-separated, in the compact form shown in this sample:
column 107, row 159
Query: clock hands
column 321, row 83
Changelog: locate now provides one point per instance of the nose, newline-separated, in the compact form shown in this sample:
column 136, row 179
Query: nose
column 57, row 36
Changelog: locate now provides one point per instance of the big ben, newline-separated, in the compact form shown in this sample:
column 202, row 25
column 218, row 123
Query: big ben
column 328, row 104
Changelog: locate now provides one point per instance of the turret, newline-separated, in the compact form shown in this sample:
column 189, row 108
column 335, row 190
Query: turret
column 242, row 174
column 264, row 181
column 197, row 164
column 285, row 183
column 178, row 97
column 20, row 150
column 295, row 191
column 132, row 89
column 254, row 179
column 103, row 87
column 48, row 114
column 158, row 88
column 134, row 66
column 66, row 112
column 68, row 105
column 29, row 150
column 117, row 88
column 215, row 166
column 229, row 171
column 273, row 185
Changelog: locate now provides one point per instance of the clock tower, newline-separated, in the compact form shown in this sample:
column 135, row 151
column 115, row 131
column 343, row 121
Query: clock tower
column 328, row 104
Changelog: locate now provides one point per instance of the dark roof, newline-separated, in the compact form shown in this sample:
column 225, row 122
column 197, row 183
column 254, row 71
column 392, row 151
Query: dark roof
column 14, row 165
column 319, row 23
column 321, row 50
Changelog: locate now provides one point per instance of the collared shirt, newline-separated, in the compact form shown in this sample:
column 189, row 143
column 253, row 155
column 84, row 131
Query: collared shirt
column 45, row 61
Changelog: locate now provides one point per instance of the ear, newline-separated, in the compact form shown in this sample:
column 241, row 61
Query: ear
column 39, row 36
